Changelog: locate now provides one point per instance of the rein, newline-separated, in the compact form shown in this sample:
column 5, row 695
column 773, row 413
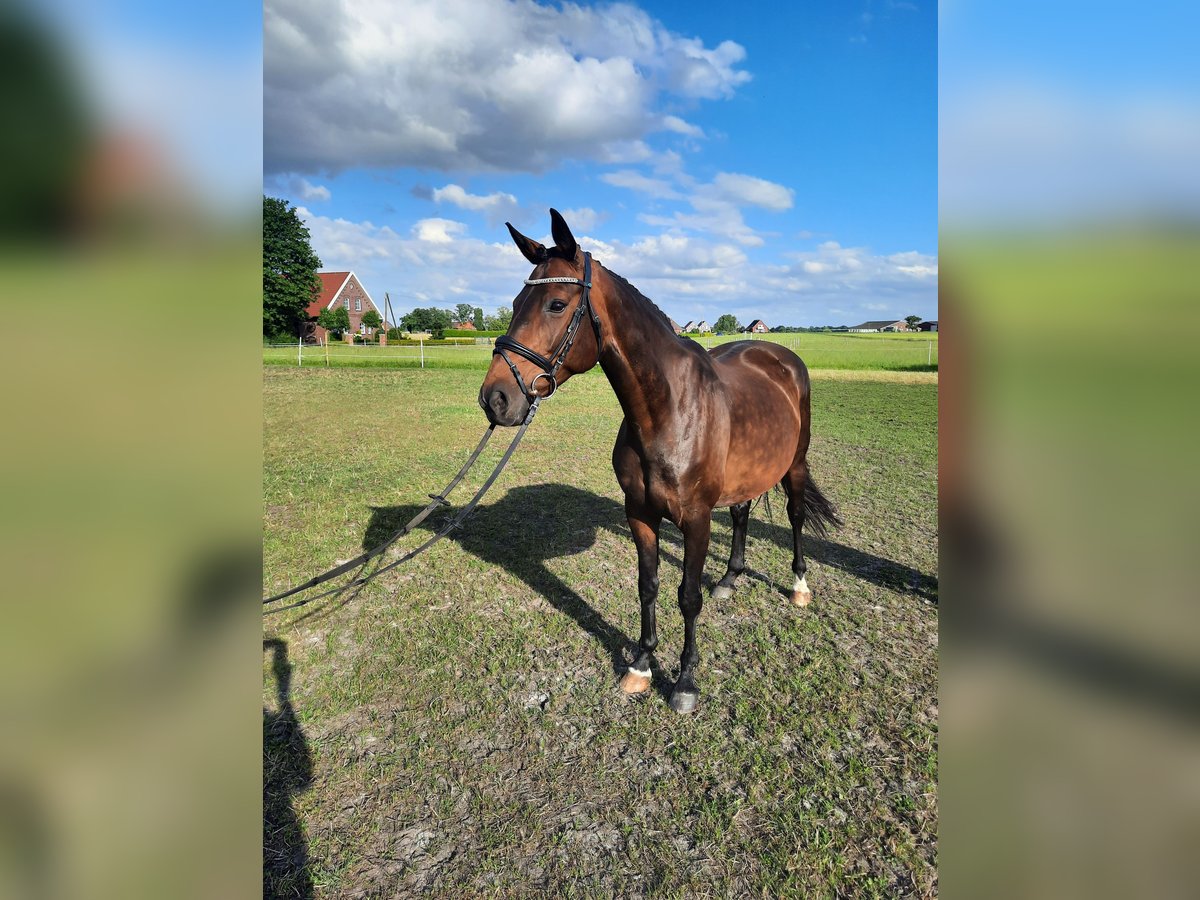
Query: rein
column 551, row 366
column 438, row 500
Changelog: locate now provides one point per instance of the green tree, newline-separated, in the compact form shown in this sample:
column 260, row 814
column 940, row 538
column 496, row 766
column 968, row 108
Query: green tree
column 728, row 324
column 289, row 268
column 913, row 322
column 464, row 312
column 372, row 319
column 428, row 319
column 335, row 320
column 477, row 321
column 500, row 321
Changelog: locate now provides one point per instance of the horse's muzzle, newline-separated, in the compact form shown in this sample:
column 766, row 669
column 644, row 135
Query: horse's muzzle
column 503, row 407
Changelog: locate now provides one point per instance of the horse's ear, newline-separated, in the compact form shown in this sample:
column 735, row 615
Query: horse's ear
column 563, row 239
column 530, row 249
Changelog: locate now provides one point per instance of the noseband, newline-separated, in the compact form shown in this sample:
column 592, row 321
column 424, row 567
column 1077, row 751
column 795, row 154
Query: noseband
column 551, row 365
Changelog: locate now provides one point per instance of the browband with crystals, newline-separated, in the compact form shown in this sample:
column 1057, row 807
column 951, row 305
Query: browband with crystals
column 559, row 279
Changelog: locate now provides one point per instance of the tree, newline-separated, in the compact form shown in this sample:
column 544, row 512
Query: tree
column 335, row 320
column 477, row 321
column 372, row 319
column 500, row 321
column 913, row 322
column 464, row 312
column 428, row 319
column 727, row 324
column 289, row 269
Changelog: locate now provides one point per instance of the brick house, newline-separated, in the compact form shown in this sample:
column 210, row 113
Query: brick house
column 341, row 288
column 758, row 326
column 464, row 325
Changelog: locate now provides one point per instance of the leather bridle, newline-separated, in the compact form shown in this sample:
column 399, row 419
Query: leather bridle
column 551, row 365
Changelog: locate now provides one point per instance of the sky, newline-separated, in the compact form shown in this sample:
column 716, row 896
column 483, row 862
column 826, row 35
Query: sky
column 778, row 166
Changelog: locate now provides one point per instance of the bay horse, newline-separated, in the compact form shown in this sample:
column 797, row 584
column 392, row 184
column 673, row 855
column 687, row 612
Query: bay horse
column 702, row 428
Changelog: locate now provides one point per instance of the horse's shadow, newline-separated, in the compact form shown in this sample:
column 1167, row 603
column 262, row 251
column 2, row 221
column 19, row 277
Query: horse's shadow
column 533, row 524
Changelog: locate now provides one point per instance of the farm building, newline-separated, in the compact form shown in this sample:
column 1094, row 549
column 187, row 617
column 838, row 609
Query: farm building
column 464, row 325
column 343, row 288
column 689, row 327
column 931, row 325
column 703, row 327
column 883, row 325
column 678, row 328
column 758, row 326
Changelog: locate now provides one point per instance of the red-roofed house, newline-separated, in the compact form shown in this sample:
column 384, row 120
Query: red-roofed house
column 341, row 288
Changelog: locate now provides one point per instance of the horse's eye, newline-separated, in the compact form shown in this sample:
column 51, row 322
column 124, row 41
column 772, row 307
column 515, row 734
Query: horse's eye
column 557, row 306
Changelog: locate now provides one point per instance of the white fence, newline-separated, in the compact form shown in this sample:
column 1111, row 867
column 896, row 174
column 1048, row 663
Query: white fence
column 819, row 349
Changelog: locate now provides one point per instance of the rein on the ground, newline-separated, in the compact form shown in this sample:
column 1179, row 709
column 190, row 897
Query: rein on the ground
column 439, row 499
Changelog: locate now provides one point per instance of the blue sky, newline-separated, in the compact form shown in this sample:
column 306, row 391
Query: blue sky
column 780, row 166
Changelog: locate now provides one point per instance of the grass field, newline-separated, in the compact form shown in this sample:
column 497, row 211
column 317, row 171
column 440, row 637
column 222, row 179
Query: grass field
column 892, row 352
column 455, row 727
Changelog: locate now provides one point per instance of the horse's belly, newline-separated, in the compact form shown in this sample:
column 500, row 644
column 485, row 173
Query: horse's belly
column 764, row 435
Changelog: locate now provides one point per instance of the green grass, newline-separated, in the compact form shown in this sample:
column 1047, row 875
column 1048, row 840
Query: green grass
column 461, row 713
column 899, row 352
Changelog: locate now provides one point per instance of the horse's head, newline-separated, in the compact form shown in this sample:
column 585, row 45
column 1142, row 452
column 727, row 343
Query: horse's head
column 554, row 332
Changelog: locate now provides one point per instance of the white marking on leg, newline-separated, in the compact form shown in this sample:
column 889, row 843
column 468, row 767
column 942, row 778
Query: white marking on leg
column 640, row 672
column 801, row 585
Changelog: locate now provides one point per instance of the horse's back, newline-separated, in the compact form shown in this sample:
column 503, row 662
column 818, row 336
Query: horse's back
column 749, row 361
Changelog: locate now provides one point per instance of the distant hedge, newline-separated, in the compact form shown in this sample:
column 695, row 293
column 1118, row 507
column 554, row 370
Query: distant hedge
column 466, row 332
column 448, row 342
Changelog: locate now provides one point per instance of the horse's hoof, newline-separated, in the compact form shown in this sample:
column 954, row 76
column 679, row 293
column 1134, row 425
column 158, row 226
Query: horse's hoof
column 684, row 701
column 802, row 598
column 801, row 595
column 635, row 682
column 721, row 592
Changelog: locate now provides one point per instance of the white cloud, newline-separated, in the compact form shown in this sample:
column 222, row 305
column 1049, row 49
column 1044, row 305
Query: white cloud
column 659, row 188
column 746, row 190
column 438, row 231
column 679, row 126
column 300, row 187
column 716, row 205
column 582, row 219
column 496, row 206
column 474, row 84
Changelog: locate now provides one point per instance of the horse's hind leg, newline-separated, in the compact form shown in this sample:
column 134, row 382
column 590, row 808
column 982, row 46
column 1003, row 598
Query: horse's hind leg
column 794, row 483
column 737, row 554
column 645, row 536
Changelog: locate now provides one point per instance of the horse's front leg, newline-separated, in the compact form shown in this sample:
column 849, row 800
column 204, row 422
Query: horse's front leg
column 695, row 549
column 644, row 526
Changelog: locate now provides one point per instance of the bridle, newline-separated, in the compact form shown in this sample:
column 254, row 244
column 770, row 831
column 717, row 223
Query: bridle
column 551, row 365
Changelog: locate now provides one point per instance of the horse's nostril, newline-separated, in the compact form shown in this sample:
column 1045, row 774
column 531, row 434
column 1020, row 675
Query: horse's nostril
column 498, row 401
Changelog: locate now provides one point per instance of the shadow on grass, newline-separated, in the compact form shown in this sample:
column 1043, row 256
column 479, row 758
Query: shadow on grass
column 287, row 771
column 536, row 523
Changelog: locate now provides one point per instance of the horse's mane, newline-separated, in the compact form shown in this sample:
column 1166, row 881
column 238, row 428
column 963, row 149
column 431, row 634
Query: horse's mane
column 641, row 298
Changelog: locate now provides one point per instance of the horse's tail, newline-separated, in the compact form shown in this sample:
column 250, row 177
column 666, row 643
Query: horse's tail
column 819, row 511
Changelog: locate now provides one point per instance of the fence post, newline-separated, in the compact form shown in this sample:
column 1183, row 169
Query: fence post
column 300, row 351
column 422, row 343
column 325, row 341
column 929, row 355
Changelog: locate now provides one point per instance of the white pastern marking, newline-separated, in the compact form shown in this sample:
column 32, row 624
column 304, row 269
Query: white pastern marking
column 643, row 674
column 801, row 586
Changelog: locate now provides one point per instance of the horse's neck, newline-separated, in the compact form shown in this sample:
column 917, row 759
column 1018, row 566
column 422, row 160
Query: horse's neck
column 640, row 351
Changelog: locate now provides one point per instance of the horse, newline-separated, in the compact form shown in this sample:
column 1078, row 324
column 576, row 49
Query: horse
column 702, row 428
